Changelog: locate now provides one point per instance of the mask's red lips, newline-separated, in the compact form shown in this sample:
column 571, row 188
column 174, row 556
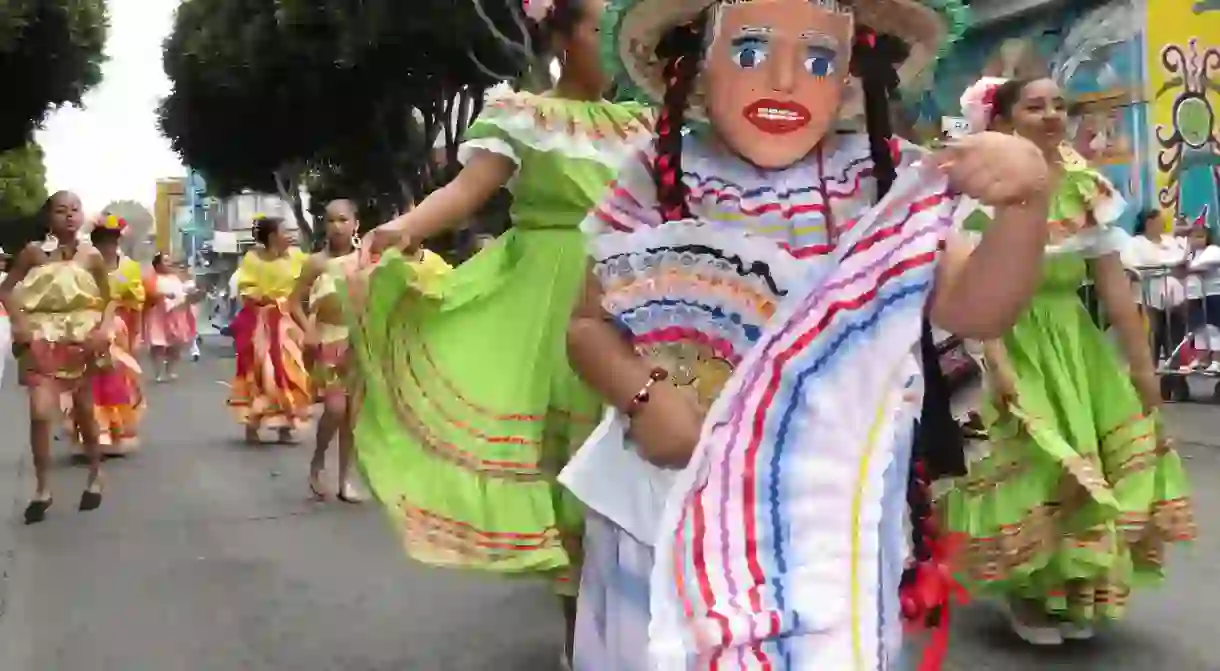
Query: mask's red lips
column 777, row 117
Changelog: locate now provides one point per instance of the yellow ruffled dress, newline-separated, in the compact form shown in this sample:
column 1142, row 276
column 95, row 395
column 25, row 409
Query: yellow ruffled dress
column 271, row 387
column 118, row 393
column 329, row 365
column 62, row 304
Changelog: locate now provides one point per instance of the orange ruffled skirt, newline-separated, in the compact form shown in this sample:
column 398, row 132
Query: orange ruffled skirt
column 118, row 397
column 271, row 387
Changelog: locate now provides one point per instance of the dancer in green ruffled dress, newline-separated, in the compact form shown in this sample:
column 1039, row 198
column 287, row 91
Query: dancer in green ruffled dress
column 470, row 409
column 1079, row 495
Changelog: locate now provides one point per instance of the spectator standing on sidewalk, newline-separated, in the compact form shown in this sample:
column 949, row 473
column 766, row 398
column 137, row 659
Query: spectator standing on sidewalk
column 1203, row 298
column 1152, row 254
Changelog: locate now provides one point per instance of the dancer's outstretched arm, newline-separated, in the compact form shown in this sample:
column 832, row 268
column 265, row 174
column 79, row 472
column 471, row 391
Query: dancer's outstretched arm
column 450, row 206
column 666, row 427
column 300, row 294
column 26, row 259
column 99, row 339
column 980, row 294
column 1114, row 292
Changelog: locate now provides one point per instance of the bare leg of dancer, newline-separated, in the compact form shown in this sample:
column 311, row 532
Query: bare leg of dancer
column 333, row 411
column 82, row 406
column 347, row 456
column 44, row 409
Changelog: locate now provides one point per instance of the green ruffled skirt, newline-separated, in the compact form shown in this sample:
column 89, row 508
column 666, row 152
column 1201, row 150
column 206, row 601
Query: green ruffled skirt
column 1079, row 496
column 469, row 409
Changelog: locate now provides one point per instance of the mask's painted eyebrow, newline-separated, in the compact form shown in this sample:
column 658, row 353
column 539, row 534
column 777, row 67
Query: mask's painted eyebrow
column 755, row 31
column 818, row 38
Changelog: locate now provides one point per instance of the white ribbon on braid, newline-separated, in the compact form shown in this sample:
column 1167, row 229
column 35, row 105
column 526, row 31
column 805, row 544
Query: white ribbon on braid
column 978, row 103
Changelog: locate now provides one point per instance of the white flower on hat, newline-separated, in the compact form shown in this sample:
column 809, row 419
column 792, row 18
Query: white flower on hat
column 978, row 103
column 537, row 10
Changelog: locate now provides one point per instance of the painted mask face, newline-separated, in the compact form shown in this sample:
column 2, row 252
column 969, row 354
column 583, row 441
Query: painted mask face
column 776, row 71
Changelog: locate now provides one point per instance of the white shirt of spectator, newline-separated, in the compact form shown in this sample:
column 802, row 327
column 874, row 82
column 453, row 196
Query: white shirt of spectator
column 1204, row 278
column 172, row 289
column 1152, row 261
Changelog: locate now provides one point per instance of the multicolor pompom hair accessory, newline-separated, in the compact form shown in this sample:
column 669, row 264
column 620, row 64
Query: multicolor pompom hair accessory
column 113, row 222
column 978, row 103
column 537, row 10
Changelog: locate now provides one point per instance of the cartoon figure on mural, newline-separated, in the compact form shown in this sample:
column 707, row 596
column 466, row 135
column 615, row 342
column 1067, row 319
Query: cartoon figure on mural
column 1189, row 151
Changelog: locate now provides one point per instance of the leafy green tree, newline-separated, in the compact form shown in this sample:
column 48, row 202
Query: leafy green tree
column 51, row 53
column 235, row 113
column 23, row 190
column 352, row 98
column 23, row 181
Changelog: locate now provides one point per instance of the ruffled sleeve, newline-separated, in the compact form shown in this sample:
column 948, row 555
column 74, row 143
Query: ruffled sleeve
column 129, row 289
column 297, row 258
column 514, row 125
column 1088, row 207
column 1083, row 216
column 248, row 275
column 505, row 117
column 630, row 201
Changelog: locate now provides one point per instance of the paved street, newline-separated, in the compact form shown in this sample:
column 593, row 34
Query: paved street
column 207, row 556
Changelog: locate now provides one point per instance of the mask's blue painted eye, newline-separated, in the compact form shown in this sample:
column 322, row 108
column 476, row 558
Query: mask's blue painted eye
column 749, row 53
column 820, row 62
column 819, row 67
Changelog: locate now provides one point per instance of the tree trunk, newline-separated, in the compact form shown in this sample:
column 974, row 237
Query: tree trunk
column 288, row 183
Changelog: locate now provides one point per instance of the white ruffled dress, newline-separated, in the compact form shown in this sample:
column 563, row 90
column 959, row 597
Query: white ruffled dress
column 793, row 308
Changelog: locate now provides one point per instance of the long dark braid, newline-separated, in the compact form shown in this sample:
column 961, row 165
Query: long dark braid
column 681, row 49
column 939, row 446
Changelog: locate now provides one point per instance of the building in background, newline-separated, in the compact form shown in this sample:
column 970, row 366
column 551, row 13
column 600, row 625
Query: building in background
column 1145, row 88
column 171, row 193
column 231, row 234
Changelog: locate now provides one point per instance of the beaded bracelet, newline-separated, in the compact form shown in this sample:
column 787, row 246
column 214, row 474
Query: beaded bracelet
column 645, row 393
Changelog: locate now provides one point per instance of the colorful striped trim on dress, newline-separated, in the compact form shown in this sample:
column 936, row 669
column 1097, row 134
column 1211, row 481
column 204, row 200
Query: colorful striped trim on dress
column 769, row 547
column 588, row 130
column 271, row 386
column 426, row 401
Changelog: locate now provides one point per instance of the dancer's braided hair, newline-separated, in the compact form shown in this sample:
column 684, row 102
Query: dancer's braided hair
column 682, row 50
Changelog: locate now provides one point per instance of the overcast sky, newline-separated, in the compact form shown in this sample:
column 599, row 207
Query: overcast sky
column 111, row 149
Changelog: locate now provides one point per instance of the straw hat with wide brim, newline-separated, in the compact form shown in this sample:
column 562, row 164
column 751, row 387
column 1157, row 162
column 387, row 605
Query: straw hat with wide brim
column 634, row 28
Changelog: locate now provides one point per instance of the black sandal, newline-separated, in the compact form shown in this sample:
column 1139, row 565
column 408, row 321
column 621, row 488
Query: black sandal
column 90, row 500
column 37, row 511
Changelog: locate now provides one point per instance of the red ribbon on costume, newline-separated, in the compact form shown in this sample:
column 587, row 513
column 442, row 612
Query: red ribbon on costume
column 245, row 324
column 930, row 595
column 242, row 330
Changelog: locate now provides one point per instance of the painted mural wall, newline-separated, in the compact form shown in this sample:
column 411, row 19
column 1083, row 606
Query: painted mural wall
column 1125, row 81
column 1183, row 38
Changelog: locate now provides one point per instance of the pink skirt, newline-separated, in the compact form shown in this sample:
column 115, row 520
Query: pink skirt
column 168, row 328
